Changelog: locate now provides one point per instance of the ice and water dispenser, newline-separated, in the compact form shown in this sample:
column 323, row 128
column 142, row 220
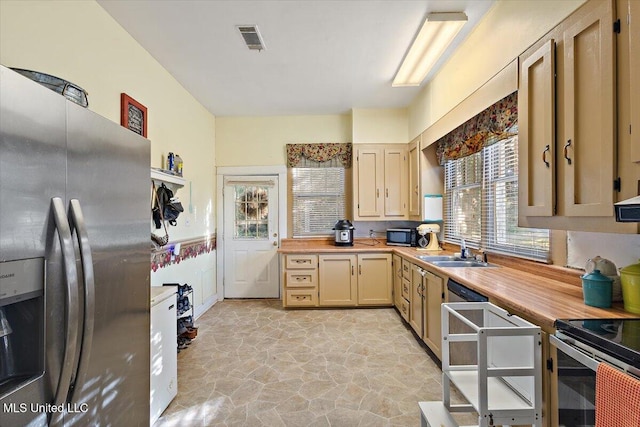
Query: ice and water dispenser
column 21, row 322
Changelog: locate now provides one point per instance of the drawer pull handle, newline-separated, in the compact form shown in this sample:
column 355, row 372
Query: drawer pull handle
column 302, row 261
column 171, row 306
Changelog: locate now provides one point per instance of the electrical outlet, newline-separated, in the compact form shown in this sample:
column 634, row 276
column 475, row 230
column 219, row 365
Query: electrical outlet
column 371, row 233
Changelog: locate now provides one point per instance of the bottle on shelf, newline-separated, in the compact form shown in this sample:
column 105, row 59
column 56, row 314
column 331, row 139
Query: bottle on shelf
column 178, row 164
column 170, row 162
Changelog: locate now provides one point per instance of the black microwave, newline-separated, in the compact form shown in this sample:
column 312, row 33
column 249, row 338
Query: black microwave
column 402, row 236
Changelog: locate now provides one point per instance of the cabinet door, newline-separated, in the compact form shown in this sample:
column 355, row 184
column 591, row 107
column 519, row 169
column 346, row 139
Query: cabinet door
column 337, row 280
column 536, row 133
column 397, row 281
column 395, row 182
column 375, row 279
column 586, row 161
column 634, row 73
column 434, row 297
column 417, row 300
column 413, row 167
column 369, row 176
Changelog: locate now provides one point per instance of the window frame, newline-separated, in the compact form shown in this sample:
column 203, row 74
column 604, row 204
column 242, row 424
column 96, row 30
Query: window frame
column 489, row 236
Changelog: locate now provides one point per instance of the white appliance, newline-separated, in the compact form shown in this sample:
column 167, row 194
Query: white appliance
column 164, row 357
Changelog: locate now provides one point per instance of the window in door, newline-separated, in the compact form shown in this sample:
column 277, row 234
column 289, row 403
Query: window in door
column 251, row 212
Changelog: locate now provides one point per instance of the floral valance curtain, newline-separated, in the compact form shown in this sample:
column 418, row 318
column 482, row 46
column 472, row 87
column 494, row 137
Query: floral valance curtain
column 490, row 126
column 341, row 152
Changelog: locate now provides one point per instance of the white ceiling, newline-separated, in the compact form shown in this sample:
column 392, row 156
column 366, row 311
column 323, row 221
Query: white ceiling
column 321, row 56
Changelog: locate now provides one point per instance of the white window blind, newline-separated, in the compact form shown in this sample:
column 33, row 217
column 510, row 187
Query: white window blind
column 481, row 203
column 318, row 199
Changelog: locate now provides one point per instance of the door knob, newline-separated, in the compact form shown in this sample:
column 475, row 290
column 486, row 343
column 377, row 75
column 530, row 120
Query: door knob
column 275, row 243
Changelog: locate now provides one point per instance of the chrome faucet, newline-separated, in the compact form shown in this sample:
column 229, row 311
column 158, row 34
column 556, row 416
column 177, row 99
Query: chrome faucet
column 464, row 252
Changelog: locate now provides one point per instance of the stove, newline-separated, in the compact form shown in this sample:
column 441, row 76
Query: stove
column 619, row 338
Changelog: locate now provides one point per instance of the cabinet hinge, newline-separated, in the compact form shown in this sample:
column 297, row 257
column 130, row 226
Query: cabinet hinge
column 550, row 364
column 616, row 26
column 617, row 184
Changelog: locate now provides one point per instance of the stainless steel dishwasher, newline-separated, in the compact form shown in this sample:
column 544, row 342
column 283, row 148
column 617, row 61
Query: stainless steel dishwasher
column 464, row 353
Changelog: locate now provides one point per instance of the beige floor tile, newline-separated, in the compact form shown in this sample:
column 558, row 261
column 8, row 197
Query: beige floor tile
column 256, row 364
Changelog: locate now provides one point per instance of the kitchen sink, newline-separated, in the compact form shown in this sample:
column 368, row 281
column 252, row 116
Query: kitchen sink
column 461, row 263
column 431, row 258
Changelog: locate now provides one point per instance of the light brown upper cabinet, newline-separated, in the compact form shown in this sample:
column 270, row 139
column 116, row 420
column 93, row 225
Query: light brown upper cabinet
column 537, row 132
column 380, row 182
column 633, row 38
column 414, row 179
column 567, row 102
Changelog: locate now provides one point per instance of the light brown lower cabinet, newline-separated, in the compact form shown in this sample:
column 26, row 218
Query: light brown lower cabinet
column 337, row 280
column 434, row 297
column 338, row 284
column 300, row 280
column 417, row 299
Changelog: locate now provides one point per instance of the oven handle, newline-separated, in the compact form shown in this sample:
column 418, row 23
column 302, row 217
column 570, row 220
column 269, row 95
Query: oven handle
column 574, row 353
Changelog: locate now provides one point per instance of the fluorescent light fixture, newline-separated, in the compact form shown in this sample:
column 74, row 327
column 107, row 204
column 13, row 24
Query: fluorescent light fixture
column 434, row 37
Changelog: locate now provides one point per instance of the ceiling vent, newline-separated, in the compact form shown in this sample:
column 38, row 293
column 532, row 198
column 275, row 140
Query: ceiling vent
column 251, row 36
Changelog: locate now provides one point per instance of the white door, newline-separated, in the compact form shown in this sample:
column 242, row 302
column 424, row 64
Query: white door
column 251, row 237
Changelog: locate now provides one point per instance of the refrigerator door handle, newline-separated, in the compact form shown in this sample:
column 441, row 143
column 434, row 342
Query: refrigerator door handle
column 73, row 311
column 79, row 225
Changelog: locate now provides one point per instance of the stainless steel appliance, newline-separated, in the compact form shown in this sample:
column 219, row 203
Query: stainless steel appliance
column 577, row 348
column 628, row 210
column 344, row 233
column 402, row 236
column 464, row 353
column 74, row 263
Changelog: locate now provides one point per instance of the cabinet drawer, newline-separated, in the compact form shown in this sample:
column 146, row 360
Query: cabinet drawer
column 302, row 297
column 301, row 261
column 406, row 269
column 306, row 278
column 406, row 289
column 404, row 309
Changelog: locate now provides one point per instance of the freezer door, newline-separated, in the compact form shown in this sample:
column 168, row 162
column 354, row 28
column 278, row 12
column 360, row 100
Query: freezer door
column 32, row 172
column 108, row 176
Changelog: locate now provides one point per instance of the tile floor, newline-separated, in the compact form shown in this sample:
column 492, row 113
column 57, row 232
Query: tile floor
column 256, row 364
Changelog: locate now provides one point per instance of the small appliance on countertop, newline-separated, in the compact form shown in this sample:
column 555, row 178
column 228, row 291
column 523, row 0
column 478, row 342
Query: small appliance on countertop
column 430, row 243
column 344, row 233
column 402, row 237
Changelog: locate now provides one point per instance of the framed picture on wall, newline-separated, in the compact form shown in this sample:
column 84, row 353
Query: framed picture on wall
column 133, row 115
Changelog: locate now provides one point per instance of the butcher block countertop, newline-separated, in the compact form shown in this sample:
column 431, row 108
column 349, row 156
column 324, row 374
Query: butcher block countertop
column 535, row 291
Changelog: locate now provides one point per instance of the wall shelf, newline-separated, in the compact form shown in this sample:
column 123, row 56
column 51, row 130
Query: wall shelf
column 166, row 177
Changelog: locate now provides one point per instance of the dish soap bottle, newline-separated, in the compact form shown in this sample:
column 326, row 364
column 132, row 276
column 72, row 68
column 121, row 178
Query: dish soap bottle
column 178, row 164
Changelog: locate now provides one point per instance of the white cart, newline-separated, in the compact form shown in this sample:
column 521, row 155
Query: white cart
column 505, row 386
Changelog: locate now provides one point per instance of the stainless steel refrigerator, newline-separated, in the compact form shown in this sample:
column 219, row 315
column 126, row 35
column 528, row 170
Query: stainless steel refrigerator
column 74, row 263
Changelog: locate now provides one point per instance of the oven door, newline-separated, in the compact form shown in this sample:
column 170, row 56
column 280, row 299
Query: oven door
column 573, row 385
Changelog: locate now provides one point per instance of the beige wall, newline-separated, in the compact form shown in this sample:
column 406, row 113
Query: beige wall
column 260, row 141
column 380, row 126
column 506, row 31
column 80, row 42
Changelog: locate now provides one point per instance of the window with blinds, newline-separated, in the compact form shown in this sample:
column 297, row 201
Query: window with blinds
column 481, row 203
column 318, row 199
